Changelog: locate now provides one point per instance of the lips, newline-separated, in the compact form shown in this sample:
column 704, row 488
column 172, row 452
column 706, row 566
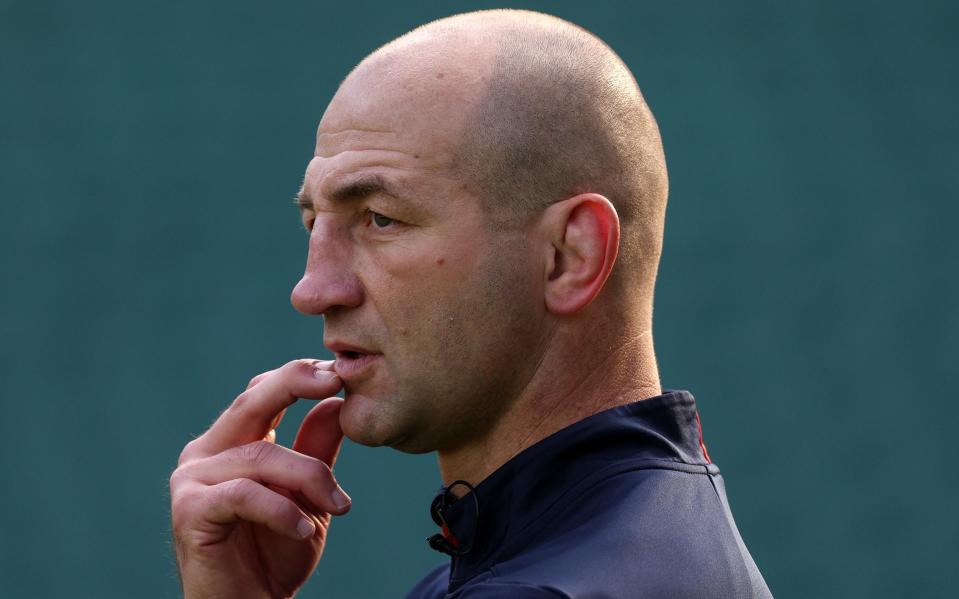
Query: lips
column 353, row 362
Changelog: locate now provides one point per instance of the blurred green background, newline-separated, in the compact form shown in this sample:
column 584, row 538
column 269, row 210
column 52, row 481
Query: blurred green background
column 149, row 152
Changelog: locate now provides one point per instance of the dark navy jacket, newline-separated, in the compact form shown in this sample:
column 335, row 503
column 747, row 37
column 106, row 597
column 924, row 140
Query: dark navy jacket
column 622, row 504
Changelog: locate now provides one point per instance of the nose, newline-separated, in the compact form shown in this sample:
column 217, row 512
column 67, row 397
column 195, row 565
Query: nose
column 328, row 281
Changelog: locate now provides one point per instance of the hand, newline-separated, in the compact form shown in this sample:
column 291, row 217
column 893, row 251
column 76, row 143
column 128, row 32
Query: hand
column 250, row 517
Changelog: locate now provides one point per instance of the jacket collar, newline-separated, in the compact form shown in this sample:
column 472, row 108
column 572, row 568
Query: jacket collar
column 500, row 514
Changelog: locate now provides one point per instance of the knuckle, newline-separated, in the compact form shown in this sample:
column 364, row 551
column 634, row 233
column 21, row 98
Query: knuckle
column 320, row 472
column 182, row 505
column 188, row 451
column 302, row 366
column 317, row 478
column 256, row 452
column 236, row 491
column 258, row 379
column 176, row 478
column 241, row 400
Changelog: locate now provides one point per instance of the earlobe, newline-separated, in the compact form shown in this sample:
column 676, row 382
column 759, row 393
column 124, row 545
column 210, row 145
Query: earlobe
column 585, row 243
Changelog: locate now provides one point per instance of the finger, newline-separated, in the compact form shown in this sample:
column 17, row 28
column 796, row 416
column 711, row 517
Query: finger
column 320, row 435
column 256, row 380
column 271, row 464
column 243, row 499
column 271, row 434
column 250, row 416
column 278, row 419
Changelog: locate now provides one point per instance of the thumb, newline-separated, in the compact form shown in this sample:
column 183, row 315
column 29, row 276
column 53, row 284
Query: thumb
column 320, row 435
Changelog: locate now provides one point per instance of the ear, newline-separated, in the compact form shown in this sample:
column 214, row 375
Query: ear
column 583, row 232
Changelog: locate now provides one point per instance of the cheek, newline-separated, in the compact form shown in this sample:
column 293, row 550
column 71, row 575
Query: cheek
column 444, row 303
column 485, row 317
column 420, row 308
column 410, row 281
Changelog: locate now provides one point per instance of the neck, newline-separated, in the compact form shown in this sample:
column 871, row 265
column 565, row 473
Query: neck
column 565, row 388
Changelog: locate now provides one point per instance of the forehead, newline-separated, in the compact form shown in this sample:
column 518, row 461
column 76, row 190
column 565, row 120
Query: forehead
column 399, row 113
column 415, row 89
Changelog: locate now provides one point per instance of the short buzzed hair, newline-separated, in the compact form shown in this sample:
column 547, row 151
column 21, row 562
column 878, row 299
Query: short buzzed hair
column 561, row 115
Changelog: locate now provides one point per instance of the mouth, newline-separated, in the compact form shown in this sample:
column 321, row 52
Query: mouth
column 353, row 363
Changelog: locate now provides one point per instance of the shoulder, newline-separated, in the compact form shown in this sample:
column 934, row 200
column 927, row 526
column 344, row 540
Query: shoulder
column 647, row 533
column 651, row 532
column 510, row 590
column 434, row 586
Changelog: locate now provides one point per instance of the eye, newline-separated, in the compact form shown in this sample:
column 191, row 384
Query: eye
column 380, row 221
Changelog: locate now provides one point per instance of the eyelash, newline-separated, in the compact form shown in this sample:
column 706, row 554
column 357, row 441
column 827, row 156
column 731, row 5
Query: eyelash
column 370, row 215
column 374, row 215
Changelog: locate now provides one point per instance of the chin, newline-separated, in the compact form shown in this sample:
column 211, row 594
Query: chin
column 376, row 423
column 359, row 421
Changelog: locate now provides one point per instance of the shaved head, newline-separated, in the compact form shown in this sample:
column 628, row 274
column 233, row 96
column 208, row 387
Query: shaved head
column 543, row 110
column 485, row 205
column 558, row 113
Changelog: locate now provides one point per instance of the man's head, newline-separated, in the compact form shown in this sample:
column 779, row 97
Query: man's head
column 465, row 202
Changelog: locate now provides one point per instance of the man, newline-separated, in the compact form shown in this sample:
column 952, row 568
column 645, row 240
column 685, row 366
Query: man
column 485, row 207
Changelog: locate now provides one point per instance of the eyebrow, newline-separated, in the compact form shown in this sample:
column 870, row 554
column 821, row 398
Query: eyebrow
column 354, row 190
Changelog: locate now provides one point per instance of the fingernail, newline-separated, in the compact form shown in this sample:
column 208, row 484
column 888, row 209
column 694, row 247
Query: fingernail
column 305, row 528
column 340, row 499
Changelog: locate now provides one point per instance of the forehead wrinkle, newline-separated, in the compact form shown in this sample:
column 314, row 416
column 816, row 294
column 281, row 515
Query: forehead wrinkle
column 337, row 130
column 365, row 148
column 320, row 132
column 392, row 166
column 366, row 181
column 354, row 137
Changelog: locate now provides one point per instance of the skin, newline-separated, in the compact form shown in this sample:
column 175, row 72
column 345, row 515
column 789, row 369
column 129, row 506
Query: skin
column 419, row 290
column 250, row 517
column 485, row 339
